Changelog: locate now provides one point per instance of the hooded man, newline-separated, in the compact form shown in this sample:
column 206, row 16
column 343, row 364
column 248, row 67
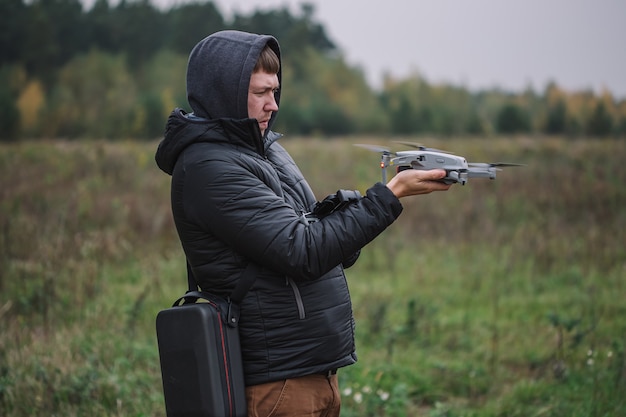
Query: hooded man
column 238, row 197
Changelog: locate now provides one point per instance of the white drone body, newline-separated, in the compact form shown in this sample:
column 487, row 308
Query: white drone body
column 458, row 170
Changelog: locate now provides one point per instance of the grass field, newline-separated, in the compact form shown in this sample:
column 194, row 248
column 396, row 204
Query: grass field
column 499, row 298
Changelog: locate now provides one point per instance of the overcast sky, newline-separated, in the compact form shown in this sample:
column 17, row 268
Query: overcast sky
column 579, row 44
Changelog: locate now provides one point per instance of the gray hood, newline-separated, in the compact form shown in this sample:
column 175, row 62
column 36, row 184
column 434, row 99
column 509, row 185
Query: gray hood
column 219, row 70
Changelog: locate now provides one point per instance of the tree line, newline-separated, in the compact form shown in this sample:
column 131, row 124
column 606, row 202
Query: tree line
column 116, row 71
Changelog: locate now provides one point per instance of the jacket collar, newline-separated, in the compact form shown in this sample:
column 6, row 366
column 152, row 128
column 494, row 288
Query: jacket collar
column 184, row 129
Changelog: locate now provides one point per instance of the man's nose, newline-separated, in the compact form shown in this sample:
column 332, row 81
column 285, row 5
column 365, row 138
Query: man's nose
column 271, row 104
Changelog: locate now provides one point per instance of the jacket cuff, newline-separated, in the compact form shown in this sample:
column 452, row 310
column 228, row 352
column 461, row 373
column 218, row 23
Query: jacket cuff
column 380, row 193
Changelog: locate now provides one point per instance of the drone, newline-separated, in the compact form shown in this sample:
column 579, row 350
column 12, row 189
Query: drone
column 458, row 170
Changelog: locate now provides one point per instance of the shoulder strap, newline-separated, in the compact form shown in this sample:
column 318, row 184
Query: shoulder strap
column 245, row 282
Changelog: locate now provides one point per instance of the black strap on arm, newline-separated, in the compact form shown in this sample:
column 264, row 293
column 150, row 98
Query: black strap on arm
column 331, row 203
column 245, row 282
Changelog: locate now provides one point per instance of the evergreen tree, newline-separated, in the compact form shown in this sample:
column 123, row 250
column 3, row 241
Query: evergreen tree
column 189, row 23
column 9, row 114
column 556, row 119
column 512, row 119
column 295, row 33
column 137, row 30
column 601, row 122
column 13, row 15
column 98, row 28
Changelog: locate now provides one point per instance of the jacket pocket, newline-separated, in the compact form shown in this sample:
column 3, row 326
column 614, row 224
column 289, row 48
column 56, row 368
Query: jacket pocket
column 298, row 297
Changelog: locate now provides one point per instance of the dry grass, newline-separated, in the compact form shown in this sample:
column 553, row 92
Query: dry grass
column 489, row 299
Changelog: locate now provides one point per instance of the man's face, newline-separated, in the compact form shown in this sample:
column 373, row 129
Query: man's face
column 261, row 98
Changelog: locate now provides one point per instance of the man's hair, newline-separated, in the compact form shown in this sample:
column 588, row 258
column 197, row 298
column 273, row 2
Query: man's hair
column 268, row 61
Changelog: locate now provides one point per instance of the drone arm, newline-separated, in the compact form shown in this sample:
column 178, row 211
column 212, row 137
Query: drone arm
column 481, row 173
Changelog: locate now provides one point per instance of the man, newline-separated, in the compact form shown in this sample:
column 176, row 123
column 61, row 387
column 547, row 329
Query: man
column 238, row 197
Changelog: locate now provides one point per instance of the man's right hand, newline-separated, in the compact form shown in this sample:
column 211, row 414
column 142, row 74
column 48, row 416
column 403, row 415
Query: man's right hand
column 414, row 182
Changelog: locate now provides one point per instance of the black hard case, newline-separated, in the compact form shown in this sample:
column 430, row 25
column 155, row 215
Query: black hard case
column 200, row 358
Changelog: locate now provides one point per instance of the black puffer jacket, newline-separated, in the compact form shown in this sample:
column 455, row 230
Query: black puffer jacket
column 237, row 198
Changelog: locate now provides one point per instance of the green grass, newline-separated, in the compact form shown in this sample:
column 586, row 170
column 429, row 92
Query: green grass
column 500, row 298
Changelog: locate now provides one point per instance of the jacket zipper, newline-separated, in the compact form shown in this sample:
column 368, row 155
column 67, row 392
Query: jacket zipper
column 296, row 293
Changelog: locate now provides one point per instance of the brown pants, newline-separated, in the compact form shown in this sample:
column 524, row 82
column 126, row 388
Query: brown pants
column 308, row 396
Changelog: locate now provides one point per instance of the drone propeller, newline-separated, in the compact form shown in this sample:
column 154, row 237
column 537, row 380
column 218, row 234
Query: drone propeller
column 420, row 146
column 374, row 148
column 386, row 154
column 491, row 165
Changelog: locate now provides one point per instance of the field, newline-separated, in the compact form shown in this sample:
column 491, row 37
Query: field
column 499, row 298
